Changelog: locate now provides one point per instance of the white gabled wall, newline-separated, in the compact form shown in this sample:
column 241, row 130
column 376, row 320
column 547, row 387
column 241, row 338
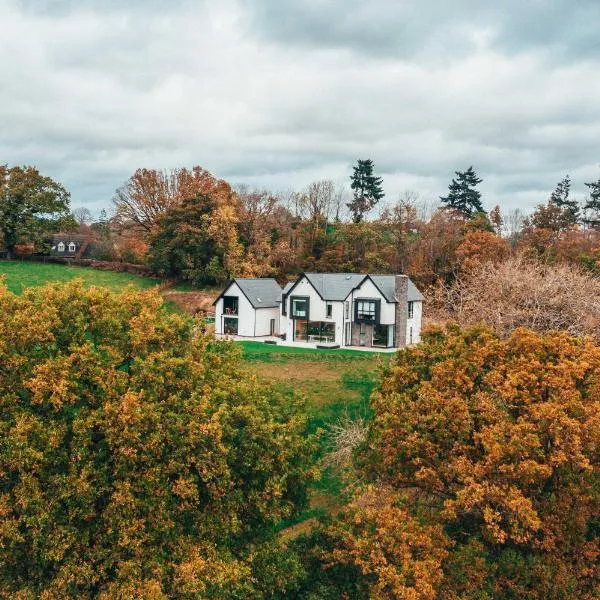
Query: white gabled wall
column 317, row 310
column 246, row 314
column 368, row 290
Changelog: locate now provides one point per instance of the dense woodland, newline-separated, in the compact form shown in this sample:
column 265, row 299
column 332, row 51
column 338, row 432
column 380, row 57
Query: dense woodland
column 139, row 459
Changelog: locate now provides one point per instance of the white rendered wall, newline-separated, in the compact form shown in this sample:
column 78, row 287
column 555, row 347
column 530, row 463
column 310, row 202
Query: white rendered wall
column 246, row 313
column 387, row 315
column 415, row 323
column 317, row 310
column 263, row 321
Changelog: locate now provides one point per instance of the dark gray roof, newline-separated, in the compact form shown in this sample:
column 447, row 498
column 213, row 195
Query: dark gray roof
column 262, row 293
column 337, row 286
column 334, row 286
column 387, row 285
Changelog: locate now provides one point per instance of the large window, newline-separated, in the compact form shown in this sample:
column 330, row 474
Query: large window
column 299, row 307
column 314, row 331
column 230, row 326
column 230, row 305
column 367, row 311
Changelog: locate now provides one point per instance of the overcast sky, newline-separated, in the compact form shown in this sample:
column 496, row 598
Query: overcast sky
column 279, row 93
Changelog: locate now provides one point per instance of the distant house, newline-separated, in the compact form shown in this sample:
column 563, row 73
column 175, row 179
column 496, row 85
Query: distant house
column 69, row 245
column 248, row 308
column 342, row 309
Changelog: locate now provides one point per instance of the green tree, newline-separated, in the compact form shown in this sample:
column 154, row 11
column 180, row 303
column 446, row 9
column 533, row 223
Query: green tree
column 569, row 208
column 29, row 202
column 594, row 201
column 137, row 459
column 367, row 190
column 462, row 195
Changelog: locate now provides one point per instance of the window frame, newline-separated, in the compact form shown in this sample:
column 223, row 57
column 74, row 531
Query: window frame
column 60, row 247
column 411, row 309
column 293, row 314
column 359, row 315
column 329, row 310
column 73, row 245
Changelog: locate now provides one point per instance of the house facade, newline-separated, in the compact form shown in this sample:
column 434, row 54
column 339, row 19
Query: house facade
column 333, row 309
column 248, row 308
column 349, row 309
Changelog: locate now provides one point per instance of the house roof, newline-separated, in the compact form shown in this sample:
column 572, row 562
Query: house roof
column 387, row 286
column 261, row 293
column 334, row 286
column 337, row 286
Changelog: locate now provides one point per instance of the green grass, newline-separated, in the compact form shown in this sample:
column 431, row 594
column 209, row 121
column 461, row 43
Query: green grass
column 22, row 274
column 335, row 384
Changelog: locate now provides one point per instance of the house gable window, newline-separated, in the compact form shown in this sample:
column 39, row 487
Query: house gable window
column 71, row 246
column 366, row 311
column 299, row 307
column 60, row 247
column 411, row 310
column 329, row 310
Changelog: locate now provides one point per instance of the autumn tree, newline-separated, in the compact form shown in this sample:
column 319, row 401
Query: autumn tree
column 198, row 239
column 367, row 189
column 522, row 292
column 463, row 196
column 29, row 204
column 137, row 458
column 484, row 469
column 478, row 247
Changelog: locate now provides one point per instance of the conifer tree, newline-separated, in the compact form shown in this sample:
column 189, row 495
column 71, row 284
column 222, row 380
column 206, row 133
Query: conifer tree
column 560, row 198
column 367, row 190
column 594, row 201
column 462, row 195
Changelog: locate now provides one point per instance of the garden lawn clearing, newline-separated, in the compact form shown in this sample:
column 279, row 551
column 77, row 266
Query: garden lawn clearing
column 336, row 384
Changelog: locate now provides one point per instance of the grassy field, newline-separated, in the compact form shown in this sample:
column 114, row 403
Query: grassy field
column 22, row 274
column 335, row 384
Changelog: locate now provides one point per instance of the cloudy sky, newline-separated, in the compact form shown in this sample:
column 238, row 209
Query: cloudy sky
column 279, row 93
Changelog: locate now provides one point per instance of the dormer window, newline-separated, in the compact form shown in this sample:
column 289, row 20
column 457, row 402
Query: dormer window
column 61, row 247
column 71, row 246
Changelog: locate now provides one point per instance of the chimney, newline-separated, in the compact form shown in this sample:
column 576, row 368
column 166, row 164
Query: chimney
column 401, row 293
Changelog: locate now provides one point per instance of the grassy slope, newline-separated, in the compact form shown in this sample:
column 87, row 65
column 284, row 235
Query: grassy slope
column 32, row 274
column 333, row 382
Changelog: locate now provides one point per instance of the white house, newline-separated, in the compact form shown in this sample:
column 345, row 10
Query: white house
column 248, row 308
column 341, row 309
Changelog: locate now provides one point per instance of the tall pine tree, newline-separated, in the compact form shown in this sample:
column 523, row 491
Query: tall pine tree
column 560, row 198
column 462, row 195
column 594, row 202
column 367, row 190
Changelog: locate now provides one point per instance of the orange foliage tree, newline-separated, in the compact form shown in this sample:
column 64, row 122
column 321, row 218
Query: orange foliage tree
column 493, row 447
column 136, row 459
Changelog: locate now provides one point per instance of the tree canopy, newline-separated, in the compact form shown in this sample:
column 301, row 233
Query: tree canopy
column 136, row 459
column 28, row 201
column 462, row 195
column 483, row 458
column 367, row 189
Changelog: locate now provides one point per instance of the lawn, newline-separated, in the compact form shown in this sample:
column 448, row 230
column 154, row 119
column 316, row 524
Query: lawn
column 334, row 383
column 22, row 274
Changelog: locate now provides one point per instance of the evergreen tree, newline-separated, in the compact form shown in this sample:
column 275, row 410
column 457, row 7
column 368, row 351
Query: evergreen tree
column 594, row 201
column 462, row 195
column 367, row 190
column 560, row 198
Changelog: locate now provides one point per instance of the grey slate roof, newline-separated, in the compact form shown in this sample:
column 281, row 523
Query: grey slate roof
column 262, row 293
column 334, row 286
column 337, row 286
column 387, row 285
